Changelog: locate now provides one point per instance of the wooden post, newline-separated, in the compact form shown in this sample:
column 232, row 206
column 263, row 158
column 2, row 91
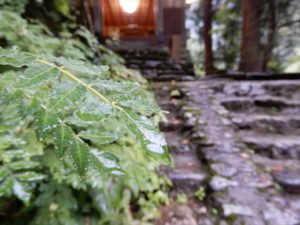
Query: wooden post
column 271, row 33
column 251, row 51
column 160, row 22
column 207, row 18
column 176, row 48
column 97, row 17
column 174, row 26
column 87, row 7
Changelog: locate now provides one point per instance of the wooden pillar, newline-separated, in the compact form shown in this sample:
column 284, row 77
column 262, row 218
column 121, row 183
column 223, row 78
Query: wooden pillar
column 207, row 36
column 160, row 22
column 251, row 50
column 176, row 49
column 97, row 11
column 272, row 17
column 97, row 17
column 174, row 26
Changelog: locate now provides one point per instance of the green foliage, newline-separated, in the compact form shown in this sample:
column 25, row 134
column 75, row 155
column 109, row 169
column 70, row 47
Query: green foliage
column 68, row 91
column 62, row 120
column 18, row 149
column 37, row 38
column 62, row 6
column 181, row 198
column 226, row 26
column 13, row 5
column 200, row 193
column 227, row 21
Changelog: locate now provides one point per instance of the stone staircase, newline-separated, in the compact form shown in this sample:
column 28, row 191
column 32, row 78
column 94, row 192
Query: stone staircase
column 239, row 140
column 252, row 128
column 156, row 64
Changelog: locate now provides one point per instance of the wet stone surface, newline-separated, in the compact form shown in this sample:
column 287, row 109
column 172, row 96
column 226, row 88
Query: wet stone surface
column 239, row 141
column 289, row 180
column 156, row 64
column 253, row 161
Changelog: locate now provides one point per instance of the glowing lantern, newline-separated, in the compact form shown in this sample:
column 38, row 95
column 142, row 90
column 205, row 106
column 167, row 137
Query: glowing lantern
column 190, row 1
column 129, row 6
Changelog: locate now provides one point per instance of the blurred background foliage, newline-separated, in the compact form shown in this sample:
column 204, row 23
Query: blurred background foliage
column 227, row 29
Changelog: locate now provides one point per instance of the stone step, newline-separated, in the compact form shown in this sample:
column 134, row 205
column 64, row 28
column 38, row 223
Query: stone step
column 288, row 89
column 171, row 77
column 283, row 88
column 267, row 104
column 268, row 123
column 187, row 175
column 169, row 106
column 145, row 54
column 187, row 181
column 275, row 165
column 289, row 180
column 173, row 71
column 160, row 68
column 155, row 64
column 170, row 126
column 276, row 146
column 176, row 143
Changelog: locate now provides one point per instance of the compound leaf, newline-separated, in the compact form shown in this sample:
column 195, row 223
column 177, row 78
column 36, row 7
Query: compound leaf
column 106, row 162
column 94, row 110
column 4, row 172
column 99, row 137
column 23, row 165
column 79, row 67
column 37, row 75
column 80, row 155
column 45, row 123
column 30, row 176
column 13, row 57
column 65, row 96
column 122, row 87
column 21, row 191
column 143, row 128
column 63, row 138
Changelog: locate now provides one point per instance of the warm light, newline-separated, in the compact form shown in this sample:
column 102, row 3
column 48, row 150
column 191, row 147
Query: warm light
column 129, row 6
column 190, row 1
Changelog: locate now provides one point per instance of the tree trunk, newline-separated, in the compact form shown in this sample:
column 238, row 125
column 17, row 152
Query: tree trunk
column 271, row 33
column 251, row 53
column 209, row 58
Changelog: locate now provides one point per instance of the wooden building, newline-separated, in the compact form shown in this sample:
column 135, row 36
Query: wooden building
column 138, row 23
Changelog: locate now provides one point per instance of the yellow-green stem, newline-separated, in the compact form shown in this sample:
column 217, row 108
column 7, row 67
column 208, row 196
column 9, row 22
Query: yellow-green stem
column 91, row 89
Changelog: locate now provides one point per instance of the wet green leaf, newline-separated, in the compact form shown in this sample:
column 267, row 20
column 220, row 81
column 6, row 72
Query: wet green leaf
column 66, row 95
column 45, row 123
column 13, row 57
column 80, row 67
column 138, row 104
column 150, row 137
column 94, row 110
column 63, row 138
column 23, row 165
column 29, row 176
column 80, row 155
column 6, row 187
column 106, row 162
column 4, row 172
column 21, row 192
column 9, row 155
column 99, row 137
column 122, row 87
column 37, row 75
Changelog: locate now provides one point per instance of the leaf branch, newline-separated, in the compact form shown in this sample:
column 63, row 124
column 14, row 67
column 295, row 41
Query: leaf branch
column 88, row 87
